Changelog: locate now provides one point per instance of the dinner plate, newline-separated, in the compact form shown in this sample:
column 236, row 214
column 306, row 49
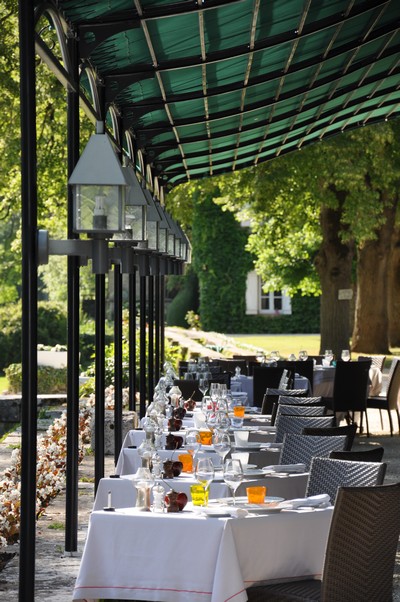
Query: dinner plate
column 212, row 512
column 250, row 445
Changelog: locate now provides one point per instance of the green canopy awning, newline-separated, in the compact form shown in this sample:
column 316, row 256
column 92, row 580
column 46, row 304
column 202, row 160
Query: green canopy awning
column 210, row 86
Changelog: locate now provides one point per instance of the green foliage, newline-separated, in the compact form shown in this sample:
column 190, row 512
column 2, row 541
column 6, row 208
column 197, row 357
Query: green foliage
column 186, row 299
column 50, row 380
column 52, row 329
column 221, row 264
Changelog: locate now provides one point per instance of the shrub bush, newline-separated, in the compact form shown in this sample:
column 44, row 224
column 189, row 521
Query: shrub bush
column 52, row 329
column 50, row 380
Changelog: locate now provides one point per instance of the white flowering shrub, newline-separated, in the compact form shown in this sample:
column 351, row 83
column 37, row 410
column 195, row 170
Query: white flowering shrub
column 50, row 474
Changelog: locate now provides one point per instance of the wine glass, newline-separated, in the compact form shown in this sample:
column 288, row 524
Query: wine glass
column 204, row 474
column 214, row 392
column 303, row 355
column 328, row 356
column 203, row 384
column 233, row 475
column 192, row 442
column 345, row 355
column 222, row 444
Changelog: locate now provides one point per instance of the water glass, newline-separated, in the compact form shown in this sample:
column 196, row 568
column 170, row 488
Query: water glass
column 345, row 355
column 233, row 476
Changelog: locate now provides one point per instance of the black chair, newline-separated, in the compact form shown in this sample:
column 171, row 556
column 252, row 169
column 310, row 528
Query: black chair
column 190, row 389
column 296, row 401
column 349, row 430
column 376, row 360
column 229, row 365
column 389, row 401
column 350, row 390
column 360, row 553
column 264, row 378
column 318, row 359
column 303, row 368
column 272, row 395
column 373, row 454
column 221, row 377
column 327, row 475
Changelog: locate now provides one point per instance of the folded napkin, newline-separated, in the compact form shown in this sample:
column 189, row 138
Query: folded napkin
column 238, row 512
column 314, row 501
column 285, row 468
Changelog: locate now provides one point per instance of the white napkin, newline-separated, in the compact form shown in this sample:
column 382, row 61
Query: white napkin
column 314, row 501
column 238, row 512
column 285, row 468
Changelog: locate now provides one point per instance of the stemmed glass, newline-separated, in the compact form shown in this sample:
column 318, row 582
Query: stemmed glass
column 204, row 474
column 345, row 355
column 222, row 444
column 303, row 355
column 233, row 475
column 203, row 384
column 214, row 392
column 192, row 442
column 328, row 355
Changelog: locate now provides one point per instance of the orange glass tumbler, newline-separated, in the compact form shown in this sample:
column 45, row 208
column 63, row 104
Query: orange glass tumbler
column 205, row 437
column 256, row 495
column 187, row 462
column 238, row 411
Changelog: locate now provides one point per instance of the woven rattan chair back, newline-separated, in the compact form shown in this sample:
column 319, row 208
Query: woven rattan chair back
column 294, row 400
column 327, row 475
column 272, row 395
column 303, row 448
column 299, row 410
column 363, row 563
column 375, row 454
column 376, row 360
column 360, row 552
column 296, row 424
column 349, row 430
column 263, row 379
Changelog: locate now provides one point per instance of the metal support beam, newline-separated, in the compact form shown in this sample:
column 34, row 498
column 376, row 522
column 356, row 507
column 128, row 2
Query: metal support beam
column 142, row 369
column 29, row 302
column 150, row 322
column 71, row 501
column 118, row 376
column 157, row 339
column 132, row 341
column 99, row 410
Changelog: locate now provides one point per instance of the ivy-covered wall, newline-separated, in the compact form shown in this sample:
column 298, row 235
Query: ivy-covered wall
column 305, row 318
column 221, row 264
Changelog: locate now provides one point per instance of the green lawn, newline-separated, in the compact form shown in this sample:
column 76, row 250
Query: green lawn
column 284, row 343
column 3, row 384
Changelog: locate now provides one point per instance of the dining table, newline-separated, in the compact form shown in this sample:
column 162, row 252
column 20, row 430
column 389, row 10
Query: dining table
column 121, row 490
column 192, row 556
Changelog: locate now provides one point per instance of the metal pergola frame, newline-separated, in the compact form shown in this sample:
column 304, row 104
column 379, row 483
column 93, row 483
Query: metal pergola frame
column 177, row 133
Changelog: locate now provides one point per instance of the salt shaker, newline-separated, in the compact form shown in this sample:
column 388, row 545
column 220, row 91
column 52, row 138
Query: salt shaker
column 158, row 498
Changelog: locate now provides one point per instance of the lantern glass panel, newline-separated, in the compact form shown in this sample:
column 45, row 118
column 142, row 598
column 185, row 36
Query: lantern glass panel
column 135, row 221
column 98, row 209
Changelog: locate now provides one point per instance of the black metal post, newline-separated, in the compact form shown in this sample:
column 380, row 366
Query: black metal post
column 29, row 302
column 118, row 376
column 150, row 320
column 142, row 347
column 99, row 409
column 162, row 318
column 132, row 341
column 157, row 366
column 71, row 500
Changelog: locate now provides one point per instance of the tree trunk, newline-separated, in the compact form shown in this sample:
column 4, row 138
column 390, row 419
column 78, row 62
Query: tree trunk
column 334, row 266
column 371, row 327
column 394, row 290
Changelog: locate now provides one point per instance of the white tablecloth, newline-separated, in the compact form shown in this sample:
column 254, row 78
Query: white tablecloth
column 187, row 558
column 123, row 490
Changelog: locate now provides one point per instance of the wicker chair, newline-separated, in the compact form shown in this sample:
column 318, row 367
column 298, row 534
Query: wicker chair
column 296, row 424
column 327, row 475
column 349, row 430
column 295, row 400
column 190, row 389
column 303, row 448
column 272, row 395
column 376, row 360
column 360, row 553
column 298, row 410
column 350, row 389
column 373, row 454
column 390, row 401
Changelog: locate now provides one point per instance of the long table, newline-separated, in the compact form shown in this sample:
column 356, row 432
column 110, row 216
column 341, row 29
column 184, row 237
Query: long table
column 186, row 557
